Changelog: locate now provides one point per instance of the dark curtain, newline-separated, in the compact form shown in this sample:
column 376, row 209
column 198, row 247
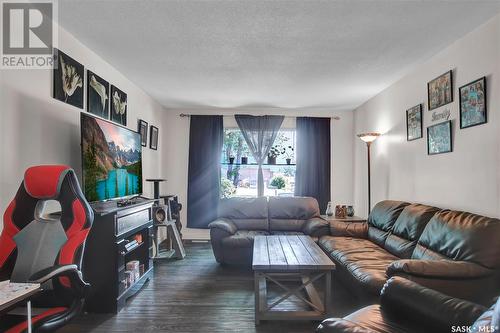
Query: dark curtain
column 312, row 178
column 259, row 133
column 206, row 135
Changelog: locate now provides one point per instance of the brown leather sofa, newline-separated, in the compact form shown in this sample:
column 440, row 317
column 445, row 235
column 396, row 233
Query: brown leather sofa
column 407, row 307
column 450, row 251
column 241, row 219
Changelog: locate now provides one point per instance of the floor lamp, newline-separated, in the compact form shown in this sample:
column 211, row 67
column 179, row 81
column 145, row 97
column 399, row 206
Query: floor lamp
column 369, row 138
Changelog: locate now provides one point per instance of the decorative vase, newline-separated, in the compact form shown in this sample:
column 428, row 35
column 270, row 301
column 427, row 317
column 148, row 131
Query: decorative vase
column 329, row 209
column 350, row 211
column 288, row 161
column 244, row 160
column 271, row 159
column 231, row 160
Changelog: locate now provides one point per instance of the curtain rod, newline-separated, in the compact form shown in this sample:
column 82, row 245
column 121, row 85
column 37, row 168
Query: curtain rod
column 183, row 115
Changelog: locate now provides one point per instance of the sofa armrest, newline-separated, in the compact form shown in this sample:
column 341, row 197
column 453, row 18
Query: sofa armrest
column 439, row 269
column 340, row 325
column 224, row 225
column 349, row 229
column 316, row 227
column 408, row 299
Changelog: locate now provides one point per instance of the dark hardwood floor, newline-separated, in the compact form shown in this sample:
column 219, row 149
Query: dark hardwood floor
column 198, row 295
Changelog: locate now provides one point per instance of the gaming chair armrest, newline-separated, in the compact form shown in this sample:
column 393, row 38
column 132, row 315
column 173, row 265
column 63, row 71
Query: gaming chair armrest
column 69, row 271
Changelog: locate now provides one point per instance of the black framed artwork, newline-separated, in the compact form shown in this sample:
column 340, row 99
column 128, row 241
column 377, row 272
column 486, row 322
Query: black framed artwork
column 118, row 106
column 414, row 127
column 439, row 139
column 68, row 76
column 440, row 91
column 97, row 95
column 153, row 138
column 143, row 131
column 473, row 110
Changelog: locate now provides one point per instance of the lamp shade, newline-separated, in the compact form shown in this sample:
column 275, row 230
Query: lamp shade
column 368, row 137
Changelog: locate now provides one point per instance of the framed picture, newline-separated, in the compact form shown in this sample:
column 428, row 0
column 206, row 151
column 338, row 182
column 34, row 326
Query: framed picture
column 473, row 103
column 97, row 95
column 440, row 91
column 153, row 138
column 414, row 127
column 68, row 79
column 143, row 131
column 118, row 106
column 439, row 138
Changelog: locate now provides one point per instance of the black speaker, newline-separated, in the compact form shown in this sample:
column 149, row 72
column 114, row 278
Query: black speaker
column 161, row 214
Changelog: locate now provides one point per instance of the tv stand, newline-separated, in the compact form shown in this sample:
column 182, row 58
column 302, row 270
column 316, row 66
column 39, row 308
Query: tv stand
column 118, row 236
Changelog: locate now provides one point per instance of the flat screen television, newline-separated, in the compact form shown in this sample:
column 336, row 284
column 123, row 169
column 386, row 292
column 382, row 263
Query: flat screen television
column 111, row 158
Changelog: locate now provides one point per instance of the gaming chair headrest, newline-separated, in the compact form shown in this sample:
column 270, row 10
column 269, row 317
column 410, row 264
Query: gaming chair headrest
column 44, row 181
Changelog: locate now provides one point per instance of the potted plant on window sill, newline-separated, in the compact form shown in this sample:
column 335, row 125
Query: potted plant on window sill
column 273, row 153
column 289, row 154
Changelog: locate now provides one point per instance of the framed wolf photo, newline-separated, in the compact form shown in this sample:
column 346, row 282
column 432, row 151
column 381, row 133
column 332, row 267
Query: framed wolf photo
column 118, row 106
column 473, row 103
column 97, row 95
column 414, row 127
column 68, row 79
column 439, row 138
column 440, row 91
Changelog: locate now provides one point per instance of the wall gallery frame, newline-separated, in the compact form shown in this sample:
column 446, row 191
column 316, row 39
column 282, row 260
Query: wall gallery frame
column 143, row 131
column 439, row 138
column 414, row 127
column 473, row 108
column 440, row 91
column 97, row 95
column 118, row 106
column 153, row 138
column 68, row 76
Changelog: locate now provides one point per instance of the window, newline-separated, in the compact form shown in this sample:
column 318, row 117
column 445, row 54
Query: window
column 239, row 179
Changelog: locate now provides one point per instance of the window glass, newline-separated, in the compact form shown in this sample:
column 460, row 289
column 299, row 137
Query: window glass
column 240, row 179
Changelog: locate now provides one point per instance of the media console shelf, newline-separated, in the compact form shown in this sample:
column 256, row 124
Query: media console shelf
column 118, row 236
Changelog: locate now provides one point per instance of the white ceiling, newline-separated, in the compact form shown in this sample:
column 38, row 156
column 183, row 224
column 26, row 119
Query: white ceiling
column 268, row 54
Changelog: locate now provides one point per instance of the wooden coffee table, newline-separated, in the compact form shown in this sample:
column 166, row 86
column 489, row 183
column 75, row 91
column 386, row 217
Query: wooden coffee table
column 279, row 258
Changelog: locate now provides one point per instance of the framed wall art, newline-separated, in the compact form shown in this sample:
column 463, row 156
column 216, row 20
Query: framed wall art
column 414, row 126
column 473, row 103
column 97, row 95
column 143, row 131
column 118, row 106
column 440, row 91
column 439, row 138
column 153, row 138
column 68, row 79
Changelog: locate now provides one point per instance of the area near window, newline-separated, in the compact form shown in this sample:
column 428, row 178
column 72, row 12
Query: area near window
column 240, row 179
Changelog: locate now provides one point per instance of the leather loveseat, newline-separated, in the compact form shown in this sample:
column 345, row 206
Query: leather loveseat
column 454, row 252
column 407, row 307
column 241, row 219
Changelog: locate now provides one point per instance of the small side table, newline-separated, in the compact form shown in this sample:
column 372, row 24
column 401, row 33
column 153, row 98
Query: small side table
column 13, row 294
column 343, row 219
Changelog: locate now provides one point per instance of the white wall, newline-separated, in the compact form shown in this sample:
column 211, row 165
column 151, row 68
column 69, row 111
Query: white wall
column 466, row 179
column 175, row 147
column 37, row 129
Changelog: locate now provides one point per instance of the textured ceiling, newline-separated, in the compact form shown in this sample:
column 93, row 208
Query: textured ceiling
column 269, row 54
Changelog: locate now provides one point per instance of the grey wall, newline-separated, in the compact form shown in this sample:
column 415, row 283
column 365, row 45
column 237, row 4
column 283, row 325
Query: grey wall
column 466, row 179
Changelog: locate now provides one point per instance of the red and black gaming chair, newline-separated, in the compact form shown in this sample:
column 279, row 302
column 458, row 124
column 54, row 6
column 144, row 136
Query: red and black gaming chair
column 46, row 249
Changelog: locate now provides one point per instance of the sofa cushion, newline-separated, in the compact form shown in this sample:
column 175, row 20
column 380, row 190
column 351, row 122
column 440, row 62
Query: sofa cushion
column 407, row 229
column 363, row 259
column 460, row 236
column 245, row 213
column 242, row 238
column 382, row 219
column 290, row 213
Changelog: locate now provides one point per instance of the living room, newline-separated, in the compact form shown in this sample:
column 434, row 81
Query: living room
column 250, row 166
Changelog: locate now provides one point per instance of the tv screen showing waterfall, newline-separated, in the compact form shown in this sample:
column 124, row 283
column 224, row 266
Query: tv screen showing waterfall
column 112, row 159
